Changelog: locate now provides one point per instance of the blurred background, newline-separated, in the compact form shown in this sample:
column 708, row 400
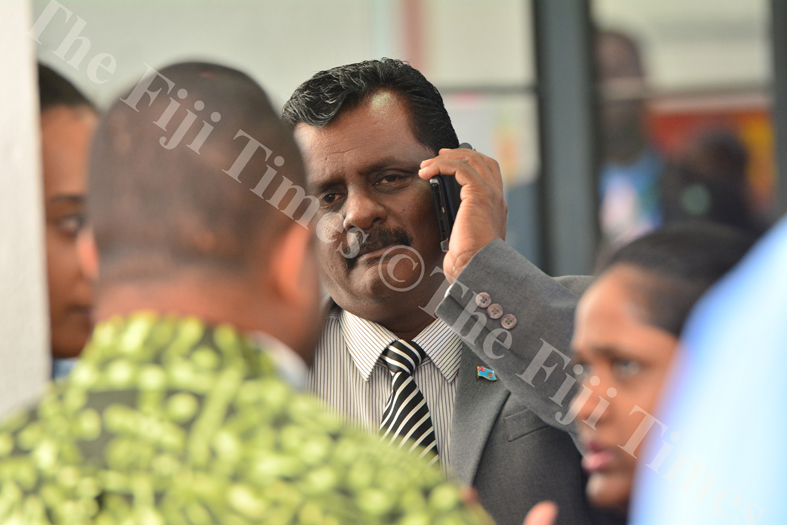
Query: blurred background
column 608, row 117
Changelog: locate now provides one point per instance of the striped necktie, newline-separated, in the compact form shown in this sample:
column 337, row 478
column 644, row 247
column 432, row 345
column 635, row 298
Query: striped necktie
column 406, row 417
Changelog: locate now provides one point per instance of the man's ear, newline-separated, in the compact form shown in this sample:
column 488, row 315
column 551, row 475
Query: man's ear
column 293, row 271
column 88, row 254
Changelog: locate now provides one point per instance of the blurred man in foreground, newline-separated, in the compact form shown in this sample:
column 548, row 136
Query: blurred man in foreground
column 183, row 408
column 68, row 121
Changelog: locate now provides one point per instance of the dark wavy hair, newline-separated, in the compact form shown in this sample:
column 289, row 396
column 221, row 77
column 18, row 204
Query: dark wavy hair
column 327, row 94
column 680, row 264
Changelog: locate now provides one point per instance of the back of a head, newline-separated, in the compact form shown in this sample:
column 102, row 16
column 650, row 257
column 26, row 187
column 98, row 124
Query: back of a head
column 709, row 183
column 329, row 93
column 160, row 198
column 679, row 264
column 617, row 56
column 622, row 80
column 55, row 90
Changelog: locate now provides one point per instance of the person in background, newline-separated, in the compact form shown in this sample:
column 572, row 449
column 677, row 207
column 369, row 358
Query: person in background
column 68, row 121
column 184, row 407
column 630, row 177
column 709, row 184
column 628, row 325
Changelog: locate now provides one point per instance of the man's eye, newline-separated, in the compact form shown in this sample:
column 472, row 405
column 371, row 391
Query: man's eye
column 71, row 225
column 390, row 179
column 329, row 198
column 625, row 368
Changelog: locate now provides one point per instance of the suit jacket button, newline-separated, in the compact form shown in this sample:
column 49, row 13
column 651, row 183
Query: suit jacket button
column 483, row 300
column 495, row 311
column 508, row 321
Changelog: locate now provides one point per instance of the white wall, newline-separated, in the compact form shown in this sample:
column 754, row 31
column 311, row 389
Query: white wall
column 280, row 43
column 689, row 44
column 472, row 42
column 24, row 337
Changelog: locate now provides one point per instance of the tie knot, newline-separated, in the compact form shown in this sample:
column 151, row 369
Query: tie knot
column 403, row 356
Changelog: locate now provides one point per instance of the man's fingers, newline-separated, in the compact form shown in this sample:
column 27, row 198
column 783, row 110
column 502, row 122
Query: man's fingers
column 486, row 167
column 545, row 513
column 494, row 168
column 482, row 214
column 464, row 172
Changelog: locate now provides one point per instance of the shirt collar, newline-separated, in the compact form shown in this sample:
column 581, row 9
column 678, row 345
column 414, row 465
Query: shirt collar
column 366, row 341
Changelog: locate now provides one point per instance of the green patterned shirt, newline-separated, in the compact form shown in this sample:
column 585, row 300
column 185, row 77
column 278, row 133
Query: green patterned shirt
column 167, row 421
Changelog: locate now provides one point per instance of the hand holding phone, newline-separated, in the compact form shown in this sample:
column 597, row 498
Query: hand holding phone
column 446, row 192
column 470, row 223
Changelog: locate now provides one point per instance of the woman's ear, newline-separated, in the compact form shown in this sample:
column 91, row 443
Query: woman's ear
column 293, row 271
column 88, row 254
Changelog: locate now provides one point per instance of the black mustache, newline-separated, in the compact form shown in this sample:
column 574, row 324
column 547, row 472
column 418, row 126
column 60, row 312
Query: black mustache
column 382, row 238
column 377, row 239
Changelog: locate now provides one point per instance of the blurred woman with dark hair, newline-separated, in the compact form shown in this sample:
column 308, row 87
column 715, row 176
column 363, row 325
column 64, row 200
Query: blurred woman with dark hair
column 627, row 328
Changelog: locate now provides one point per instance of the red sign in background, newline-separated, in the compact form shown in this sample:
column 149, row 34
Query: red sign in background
column 673, row 129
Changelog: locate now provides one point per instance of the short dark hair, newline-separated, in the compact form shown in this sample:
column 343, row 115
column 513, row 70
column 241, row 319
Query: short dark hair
column 327, row 94
column 156, row 211
column 681, row 262
column 55, row 90
column 630, row 67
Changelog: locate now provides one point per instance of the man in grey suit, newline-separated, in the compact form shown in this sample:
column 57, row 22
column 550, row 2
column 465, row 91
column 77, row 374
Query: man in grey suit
column 372, row 135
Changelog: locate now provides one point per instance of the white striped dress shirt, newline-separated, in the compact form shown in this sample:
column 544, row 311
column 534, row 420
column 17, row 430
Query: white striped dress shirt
column 349, row 376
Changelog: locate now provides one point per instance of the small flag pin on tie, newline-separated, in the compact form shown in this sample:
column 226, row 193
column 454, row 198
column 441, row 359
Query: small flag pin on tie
column 487, row 373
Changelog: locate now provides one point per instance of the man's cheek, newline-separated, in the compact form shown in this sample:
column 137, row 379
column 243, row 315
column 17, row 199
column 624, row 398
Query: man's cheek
column 329, row 228
column 333, row 263
column 326, row 257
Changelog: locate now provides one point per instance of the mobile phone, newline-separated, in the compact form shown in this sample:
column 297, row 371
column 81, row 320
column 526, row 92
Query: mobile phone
column 446, row 194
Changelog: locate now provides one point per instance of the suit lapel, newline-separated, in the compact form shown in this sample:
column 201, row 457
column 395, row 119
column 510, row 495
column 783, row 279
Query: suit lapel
column 478, row 403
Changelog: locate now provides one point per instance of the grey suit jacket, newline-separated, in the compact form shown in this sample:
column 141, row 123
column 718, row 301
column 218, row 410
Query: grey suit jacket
column 506, row 439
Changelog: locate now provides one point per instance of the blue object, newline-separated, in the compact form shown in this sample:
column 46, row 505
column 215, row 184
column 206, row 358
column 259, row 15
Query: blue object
column 62, row 367
column 630, row 197
column 727, row 403
column 487, row 373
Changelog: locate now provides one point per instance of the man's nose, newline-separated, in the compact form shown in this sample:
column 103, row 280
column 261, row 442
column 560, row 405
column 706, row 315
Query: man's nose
column 363, row 211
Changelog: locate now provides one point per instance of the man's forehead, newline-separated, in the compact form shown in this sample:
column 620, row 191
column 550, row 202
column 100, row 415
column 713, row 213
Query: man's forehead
column 366, row 137
column 326, row 157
